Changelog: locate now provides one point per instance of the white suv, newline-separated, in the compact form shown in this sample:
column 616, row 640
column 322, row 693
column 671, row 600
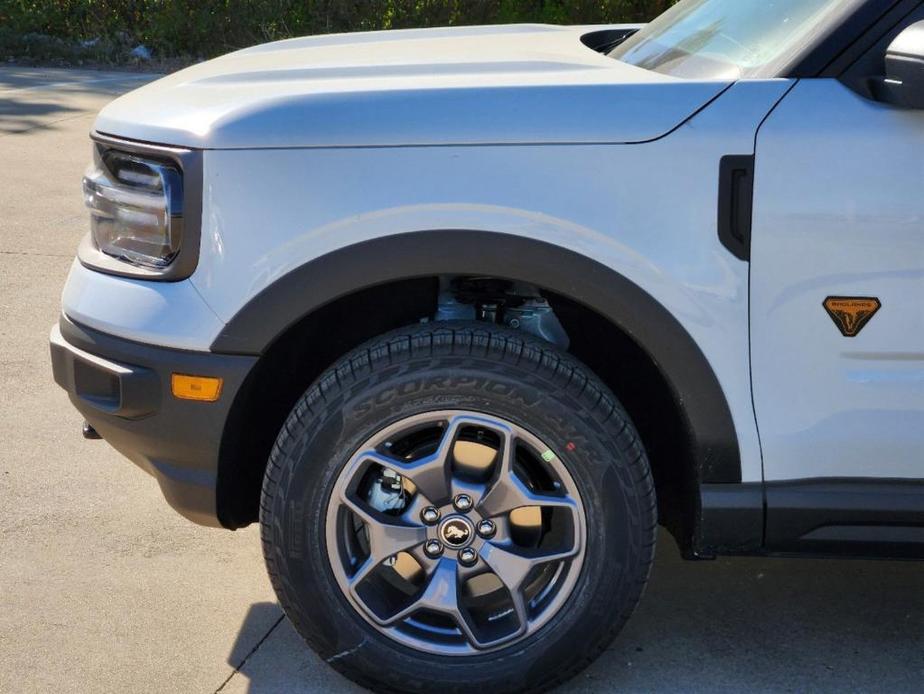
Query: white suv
column 460, row 315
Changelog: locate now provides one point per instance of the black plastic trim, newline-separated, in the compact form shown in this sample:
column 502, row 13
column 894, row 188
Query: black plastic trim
column 848, row 516
column 731, row 520
column 605, row 40
column 430, row 253
column 122, row 388
column 890, row 22
column 736, row 203
column 863, row 68
column 861, row 16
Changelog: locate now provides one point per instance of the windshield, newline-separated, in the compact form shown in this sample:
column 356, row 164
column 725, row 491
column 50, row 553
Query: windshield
column 726, row 39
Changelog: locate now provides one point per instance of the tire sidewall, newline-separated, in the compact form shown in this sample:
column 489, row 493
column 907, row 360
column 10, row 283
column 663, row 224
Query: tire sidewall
column 314, row 450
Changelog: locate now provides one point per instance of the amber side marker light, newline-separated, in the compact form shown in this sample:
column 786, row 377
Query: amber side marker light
column 203, row 388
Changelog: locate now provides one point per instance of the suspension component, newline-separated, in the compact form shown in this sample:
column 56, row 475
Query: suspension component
column 517, row 305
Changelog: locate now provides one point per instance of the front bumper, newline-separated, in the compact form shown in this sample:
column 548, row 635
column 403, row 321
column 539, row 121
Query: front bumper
column 122, row 388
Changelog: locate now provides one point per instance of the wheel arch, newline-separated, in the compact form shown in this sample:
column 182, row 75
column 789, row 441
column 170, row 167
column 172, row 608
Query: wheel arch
column 335, row 287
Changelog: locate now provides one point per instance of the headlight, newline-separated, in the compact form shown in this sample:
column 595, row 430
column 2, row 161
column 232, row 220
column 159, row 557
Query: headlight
column 136, row 207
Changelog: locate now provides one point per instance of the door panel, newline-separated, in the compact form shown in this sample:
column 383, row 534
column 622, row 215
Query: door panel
column 838, row 211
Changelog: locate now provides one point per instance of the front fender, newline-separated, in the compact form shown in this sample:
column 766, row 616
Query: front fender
column 629, row 230
column 463, row 252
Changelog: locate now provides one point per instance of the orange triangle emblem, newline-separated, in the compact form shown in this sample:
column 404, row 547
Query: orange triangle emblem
column 851, row 313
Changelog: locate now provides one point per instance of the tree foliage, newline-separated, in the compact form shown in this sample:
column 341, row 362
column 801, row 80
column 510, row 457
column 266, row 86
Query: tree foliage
column 204, row 28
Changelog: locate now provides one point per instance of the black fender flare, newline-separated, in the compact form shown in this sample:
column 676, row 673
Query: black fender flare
column 463, row 252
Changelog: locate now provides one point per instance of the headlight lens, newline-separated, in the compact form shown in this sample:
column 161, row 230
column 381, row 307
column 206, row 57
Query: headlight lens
column 136, row 207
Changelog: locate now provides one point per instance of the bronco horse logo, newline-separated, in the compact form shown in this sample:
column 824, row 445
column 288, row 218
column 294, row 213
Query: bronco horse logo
column 455, row 533
column 851, row 313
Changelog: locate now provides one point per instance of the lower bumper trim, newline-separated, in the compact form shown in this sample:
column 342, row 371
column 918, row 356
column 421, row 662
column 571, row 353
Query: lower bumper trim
column 122, row 388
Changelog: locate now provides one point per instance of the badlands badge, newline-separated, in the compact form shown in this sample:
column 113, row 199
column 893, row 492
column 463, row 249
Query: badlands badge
column 851, row 313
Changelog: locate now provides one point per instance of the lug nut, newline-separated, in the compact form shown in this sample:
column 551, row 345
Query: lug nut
column 463, row 503
column 468, row 556
column 486, row 528
column 430, row 515
column 433, row 548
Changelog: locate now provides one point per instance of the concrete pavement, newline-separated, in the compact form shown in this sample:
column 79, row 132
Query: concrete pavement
column 103, row 588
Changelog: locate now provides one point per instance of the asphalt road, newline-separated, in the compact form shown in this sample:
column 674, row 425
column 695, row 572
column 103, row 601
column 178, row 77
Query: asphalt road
column 103, row 588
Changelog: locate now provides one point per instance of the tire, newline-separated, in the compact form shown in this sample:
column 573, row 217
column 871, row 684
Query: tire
column 475, row 368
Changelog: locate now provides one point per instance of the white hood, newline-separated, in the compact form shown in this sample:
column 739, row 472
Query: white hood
column 469, row 85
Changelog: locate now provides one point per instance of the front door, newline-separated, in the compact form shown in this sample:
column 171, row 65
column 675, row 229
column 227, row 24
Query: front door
column 837, row 287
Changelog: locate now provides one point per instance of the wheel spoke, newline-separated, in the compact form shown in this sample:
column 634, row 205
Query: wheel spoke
column 388, row 535
column 508, row 493
column 441, row 595
column 512, row 566
column 430, row 474
column 448, row 442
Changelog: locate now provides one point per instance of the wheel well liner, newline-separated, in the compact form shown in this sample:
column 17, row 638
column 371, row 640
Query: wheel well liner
column 361, row 267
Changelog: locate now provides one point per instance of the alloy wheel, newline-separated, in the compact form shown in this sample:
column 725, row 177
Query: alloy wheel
column 455, row 532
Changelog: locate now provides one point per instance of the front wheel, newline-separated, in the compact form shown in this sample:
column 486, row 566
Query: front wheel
column 455, row 506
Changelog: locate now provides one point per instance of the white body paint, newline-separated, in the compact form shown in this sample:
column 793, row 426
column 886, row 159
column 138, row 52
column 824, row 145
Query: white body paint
column 839, row 211
column 317, row 144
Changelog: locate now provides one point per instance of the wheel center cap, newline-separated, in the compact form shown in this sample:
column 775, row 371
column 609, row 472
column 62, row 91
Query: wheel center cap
column 456, row 532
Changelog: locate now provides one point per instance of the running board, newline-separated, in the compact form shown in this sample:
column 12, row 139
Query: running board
column 857, row 517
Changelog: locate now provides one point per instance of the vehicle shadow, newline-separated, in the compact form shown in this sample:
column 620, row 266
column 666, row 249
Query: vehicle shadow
column 33, row 98
column 727, row 625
